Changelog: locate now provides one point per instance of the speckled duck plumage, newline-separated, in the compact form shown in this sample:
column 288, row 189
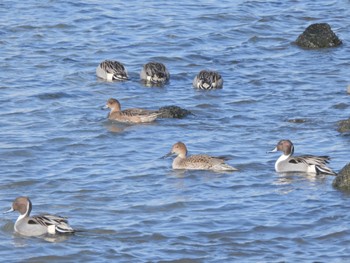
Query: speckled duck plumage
column 196, row 162
column 133, row 115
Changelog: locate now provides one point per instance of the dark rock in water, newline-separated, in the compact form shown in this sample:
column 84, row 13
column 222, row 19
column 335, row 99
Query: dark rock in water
column 344, row 126
column 52, row 96
column 342, row 181
column 318, row 36
column 340, row 106
column 298, row 120
column 173, row 112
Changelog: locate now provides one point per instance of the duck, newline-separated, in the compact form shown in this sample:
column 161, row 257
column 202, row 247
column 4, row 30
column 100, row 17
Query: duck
column 134, row 115
column 111, row 70
column 154, row 73
column 304, row 163
column 208, row 80
column 39, row 225
column 196, row 162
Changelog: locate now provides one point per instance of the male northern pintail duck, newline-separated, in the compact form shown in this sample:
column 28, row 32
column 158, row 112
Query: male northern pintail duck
column 134, row 115
column 154, row 73
column 304, row 163
column 208, row 80
column 111, row 70
column 37, row 225
column 197, row 162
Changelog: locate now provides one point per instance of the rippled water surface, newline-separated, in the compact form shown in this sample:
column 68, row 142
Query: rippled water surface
column 57, row 146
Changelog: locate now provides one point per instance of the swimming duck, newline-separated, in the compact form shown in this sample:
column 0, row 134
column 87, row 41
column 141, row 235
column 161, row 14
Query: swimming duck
column 197, row 162
column 208, row 80
column 154, row 73
column 304, row 163
column 133, row 115
column 37, row 225
column 111, row 70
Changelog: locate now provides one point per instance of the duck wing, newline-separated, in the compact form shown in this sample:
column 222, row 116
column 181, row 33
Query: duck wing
column 60, row 223
column 310, row 159
column 47, row 220
column 112, row 66
column 203, row 161
column 137, row 111
column 116, row 68
column 320, row 163
column 206, row 159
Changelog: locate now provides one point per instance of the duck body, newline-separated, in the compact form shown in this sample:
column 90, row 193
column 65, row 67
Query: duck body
column 111, row 70
column 201, row 162
column 197, row 162
column 208, row 80
column 303, row 163
column 133, row 115
column 27, row 225
column 154, row 73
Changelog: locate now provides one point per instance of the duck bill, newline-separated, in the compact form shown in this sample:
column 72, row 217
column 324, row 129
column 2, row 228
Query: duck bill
column 9, row 211
column 105, row 107
column 273, row 151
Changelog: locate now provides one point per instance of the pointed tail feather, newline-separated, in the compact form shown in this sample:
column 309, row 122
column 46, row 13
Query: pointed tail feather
column 64, row 229
column 324, row 170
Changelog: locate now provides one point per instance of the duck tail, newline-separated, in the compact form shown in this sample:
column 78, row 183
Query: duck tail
column 325, row 170
column 64, row 228
column 227, row 167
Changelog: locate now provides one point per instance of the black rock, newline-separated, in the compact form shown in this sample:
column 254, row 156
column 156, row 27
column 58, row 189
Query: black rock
column 344, row 126
column 173, row 112
column 318, row 36
column 297, row 120
column 342, row 181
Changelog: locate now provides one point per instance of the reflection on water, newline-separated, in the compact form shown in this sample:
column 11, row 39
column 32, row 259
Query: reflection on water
column 23, row 241
column 56, row 238
column 115, row 128
column 289, row 182
column 290, row 177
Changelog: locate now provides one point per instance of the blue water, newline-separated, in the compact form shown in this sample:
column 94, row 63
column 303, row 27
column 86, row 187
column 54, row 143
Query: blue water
column 58, row 148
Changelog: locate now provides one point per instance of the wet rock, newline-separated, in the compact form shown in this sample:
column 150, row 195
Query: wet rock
column 344, row 126
column 297, row 120
column 340, row 106
column 318, row 36
column 342, row 181
column 173, row 112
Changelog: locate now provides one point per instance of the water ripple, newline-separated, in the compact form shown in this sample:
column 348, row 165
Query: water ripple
column 58, row 147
